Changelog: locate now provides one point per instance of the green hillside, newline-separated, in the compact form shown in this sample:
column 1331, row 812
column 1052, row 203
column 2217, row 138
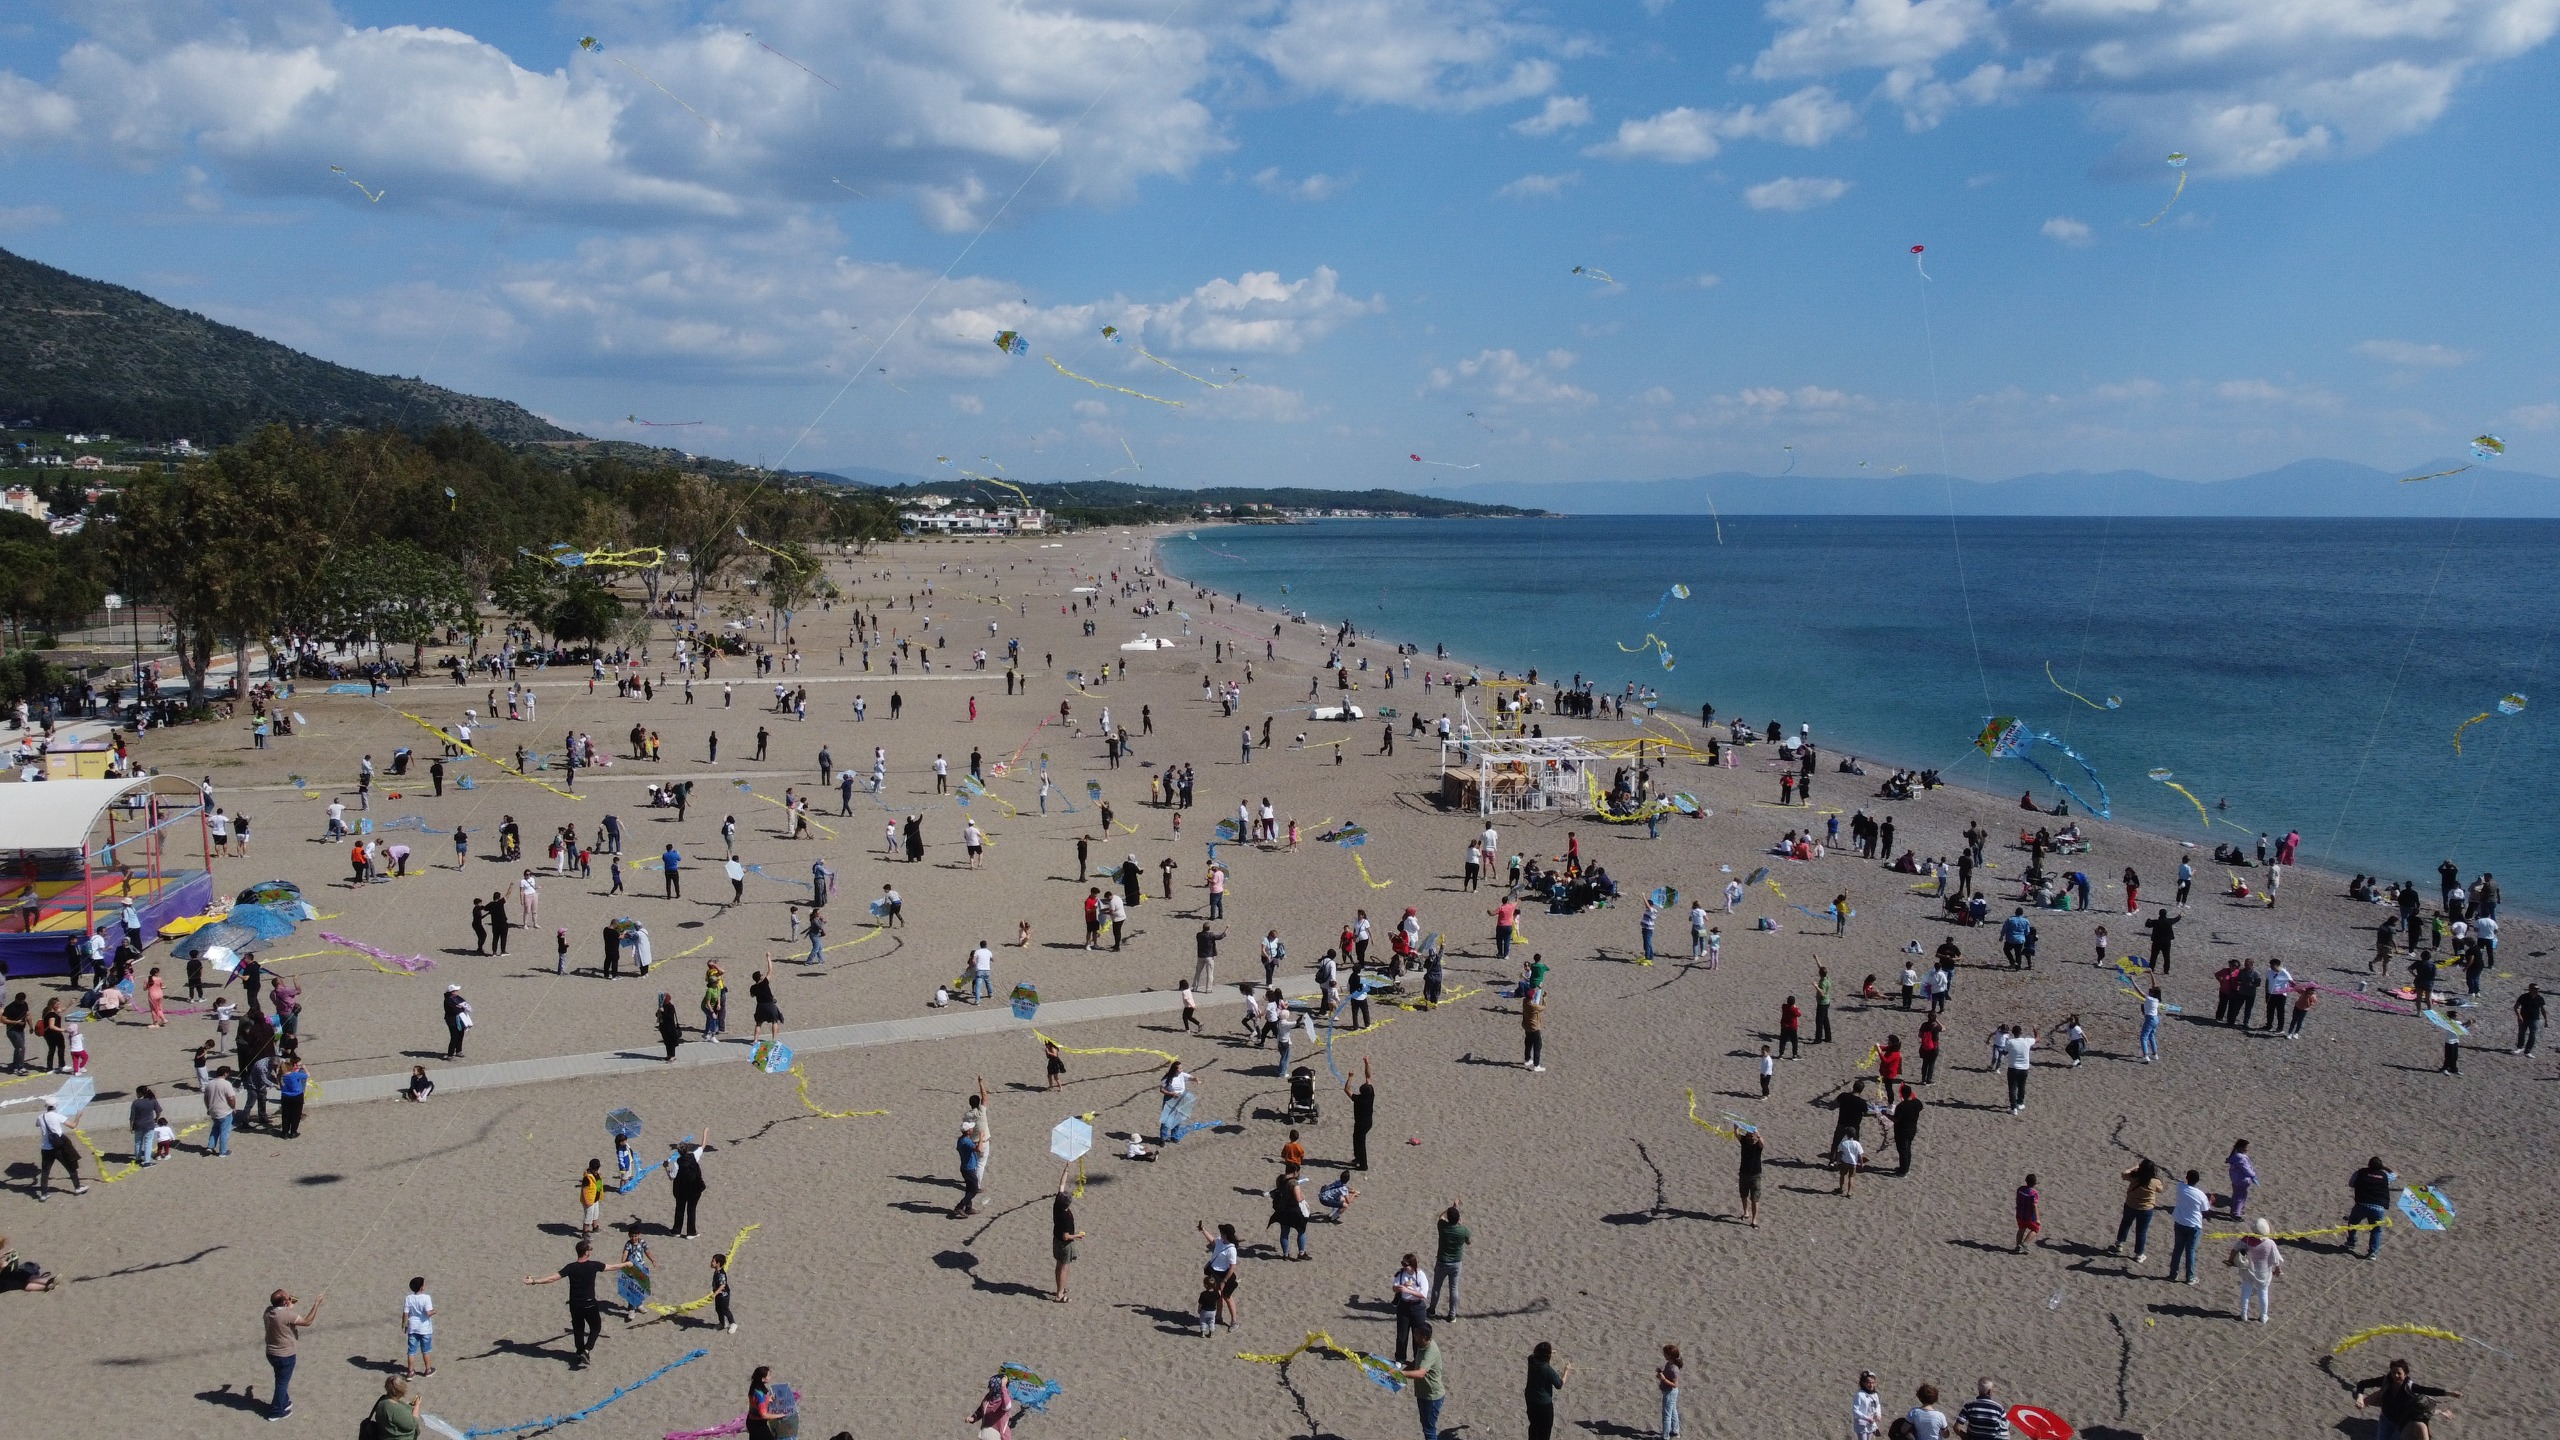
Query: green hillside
column 83, row 355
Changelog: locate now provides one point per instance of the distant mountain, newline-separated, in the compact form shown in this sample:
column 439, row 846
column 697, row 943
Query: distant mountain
column 79, row 354
column 2306, row 488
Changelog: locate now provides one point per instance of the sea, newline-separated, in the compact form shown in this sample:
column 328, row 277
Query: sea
column 2290, row 674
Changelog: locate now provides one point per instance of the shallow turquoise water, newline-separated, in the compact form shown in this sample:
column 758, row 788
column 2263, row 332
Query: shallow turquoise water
column 2312, row 672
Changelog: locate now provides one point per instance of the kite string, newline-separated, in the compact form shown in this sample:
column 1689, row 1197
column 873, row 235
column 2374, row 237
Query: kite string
column 1946, row 474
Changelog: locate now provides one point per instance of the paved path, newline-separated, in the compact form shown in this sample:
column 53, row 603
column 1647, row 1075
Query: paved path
column 985, row 1019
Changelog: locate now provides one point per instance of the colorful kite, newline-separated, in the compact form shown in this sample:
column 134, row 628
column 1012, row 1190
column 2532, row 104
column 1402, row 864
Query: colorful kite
column 2488, row 447
column 1676, row 592
column 1917, row 263
column 1418, row 460
column 2510, row 705
column 2006, row 737
column 1011, row 342
column 1603, row 276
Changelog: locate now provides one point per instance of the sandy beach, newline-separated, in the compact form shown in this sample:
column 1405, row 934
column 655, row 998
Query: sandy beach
column 1603, row 1219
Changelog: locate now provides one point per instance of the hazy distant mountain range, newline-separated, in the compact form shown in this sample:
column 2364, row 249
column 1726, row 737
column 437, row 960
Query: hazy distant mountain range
column 2306, row 488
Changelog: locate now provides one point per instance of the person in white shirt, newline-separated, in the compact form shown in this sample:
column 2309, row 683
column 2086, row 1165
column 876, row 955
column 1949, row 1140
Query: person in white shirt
column 982, row 973
column 1732, row 895
column 2259, row 1262
column 2022, row 1047
column 737, row 874
column 2186, row 1219
column 1847, row 1156
column 418, row 1323
column 974, row 841
column 1866, row 1409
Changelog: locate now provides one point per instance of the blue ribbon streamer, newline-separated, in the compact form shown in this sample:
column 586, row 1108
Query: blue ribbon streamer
column 552, row 1421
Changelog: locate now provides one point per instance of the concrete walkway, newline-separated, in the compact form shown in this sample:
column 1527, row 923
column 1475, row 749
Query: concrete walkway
column 989, row 1018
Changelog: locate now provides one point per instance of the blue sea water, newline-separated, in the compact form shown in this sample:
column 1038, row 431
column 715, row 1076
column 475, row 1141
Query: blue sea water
column 2311, row 672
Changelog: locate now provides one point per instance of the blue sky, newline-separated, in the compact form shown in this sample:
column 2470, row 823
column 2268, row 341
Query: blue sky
column 1363, row 214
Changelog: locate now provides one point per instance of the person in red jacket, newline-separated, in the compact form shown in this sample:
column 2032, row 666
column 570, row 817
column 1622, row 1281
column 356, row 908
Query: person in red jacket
column 1790, row 1020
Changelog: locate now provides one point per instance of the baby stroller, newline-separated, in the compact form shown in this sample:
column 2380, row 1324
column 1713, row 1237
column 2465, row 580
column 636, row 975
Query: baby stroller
column 1302, row 1096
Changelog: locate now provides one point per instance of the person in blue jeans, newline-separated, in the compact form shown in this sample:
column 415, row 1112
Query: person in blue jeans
column 282, row 1340
column 2186, row 1220
column 1430, row 1381
column 2371, row 1188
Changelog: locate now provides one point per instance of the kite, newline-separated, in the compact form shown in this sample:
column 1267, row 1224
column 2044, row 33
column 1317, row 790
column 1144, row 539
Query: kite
column 1418, row 460
column 2169, row 778
column 1603, row 276
column 1011, row 342
column 1025, row 1001
column 2488, row 447
column 1651, row 641
column 2510, row 705
column 373, row 195
column 592, row 43
column 2426, row 1207
column 2446, row 1023
column 2114, row 702
column 2177, row 162
column 2433, row 475
column 812, row 74
column 1027, row 1389
column 2034, row 1422
column 849, row 190
column 770, row 1056
column 1117, row 336
column 1791, row 465
column 1917, row 263
column 1102, row 385
column 1676, row 592
column 2006, row 737
column 661, row 424
column 1381, row 1371
column 450, row 501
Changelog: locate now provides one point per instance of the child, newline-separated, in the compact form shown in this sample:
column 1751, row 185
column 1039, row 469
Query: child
column 1715, row 945
column 1057, row 1064
column 1846, row 1156
column 1208, row 1308
column 2452, row 1054
column 1910, row 984
column 560, row 952
column 2101, row 938
column 2030, row 1215
column 721, row 1315
column 1190, row 1010
column 624, row 1162
column 1338, row 1196
column 1666, row 1377
column 1768, row 1070
column 420, row 1087
column 591, row 1196
column 79, row 1044
column 1867, row 992
column 791, row 915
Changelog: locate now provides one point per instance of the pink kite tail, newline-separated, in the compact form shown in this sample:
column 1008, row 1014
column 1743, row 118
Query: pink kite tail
column 410, row 963
column 725, row 1427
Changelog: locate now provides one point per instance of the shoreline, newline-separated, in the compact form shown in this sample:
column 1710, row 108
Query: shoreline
column 2335, row 881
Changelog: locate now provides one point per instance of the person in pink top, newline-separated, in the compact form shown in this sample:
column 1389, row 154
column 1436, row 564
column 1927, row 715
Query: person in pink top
column 1506, row 923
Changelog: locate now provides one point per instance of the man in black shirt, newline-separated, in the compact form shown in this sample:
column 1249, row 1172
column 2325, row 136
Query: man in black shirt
column 1364, row 1111
column 1906, row 1125
column 586, row 1312
column 2371, row 1189
column 2164, row 933
column 1747, row 1178
column 2529, row 1007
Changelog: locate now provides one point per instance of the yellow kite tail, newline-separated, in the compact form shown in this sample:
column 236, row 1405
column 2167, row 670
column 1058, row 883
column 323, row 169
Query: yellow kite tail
column 2067, row 690
column 827, row 1114
column 2424, row 1332
column 1104, row 385
column 690, row 1306
column 2465, row 725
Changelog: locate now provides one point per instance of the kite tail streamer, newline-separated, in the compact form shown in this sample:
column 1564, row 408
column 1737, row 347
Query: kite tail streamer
column 2357, row 1228
column 827, row 1114
column 2201, row 812
column 1374, row 884
column 2112, row 702
column 1106, row 1049
column 2173, row 199
column 1185, row 374
column 1103, row 385
column 2424, row 1332
column 383, row 959
column 1370, row 1365
column 686, row 1308
column 2465, row 725
column 550, row 1422
column 2103, row 808
column 1727, row 1131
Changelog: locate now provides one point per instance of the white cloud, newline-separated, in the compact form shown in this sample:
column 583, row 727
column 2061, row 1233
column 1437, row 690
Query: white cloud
column 28, row 217
column 2413, row 353
column 1313, row 188
column 1792, row 193
column 967, row 404
column 1707, row 281
column 1810, row 117
column 1093, row 409
column 2245, row 86
column 2269, row 394
column 2066, row 230
column 1505, row 376
column 1563, row 112
column 1257, row 313
column 1539, row 187
column 1429, row 54
column 949, row 106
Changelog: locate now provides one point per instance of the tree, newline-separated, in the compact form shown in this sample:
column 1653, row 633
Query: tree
column 222, row 544
column 585, row 611
column 396, row 592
